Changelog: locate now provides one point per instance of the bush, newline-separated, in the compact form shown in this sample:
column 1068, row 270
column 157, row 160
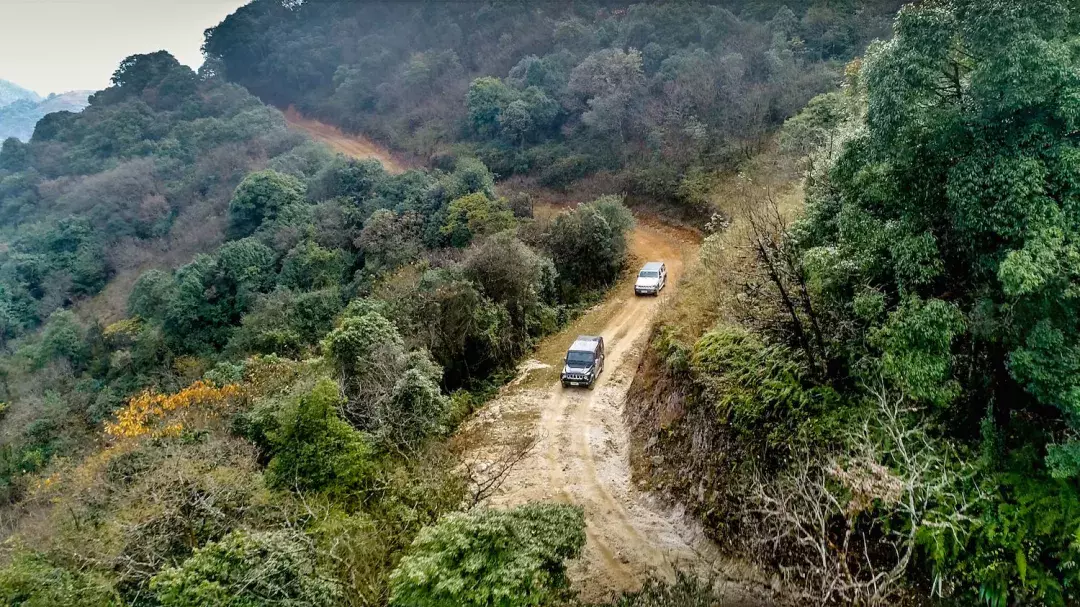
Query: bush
column 588, row 245
column 564, row 171
column 315, row 450
column 259, row 197
column 508, row 558
column 31, row 581
column 759, row 390
column 247, row 569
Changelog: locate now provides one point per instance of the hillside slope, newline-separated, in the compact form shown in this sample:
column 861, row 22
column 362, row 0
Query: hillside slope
column 658, row 94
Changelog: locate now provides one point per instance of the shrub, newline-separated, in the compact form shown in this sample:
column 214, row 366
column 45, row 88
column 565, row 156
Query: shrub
column 507, row 558
column 564, row 171
column 31, row 581
column 247, row 569
column 315, row 450
column 588, row 245
column 259, row 197
column 757, row 389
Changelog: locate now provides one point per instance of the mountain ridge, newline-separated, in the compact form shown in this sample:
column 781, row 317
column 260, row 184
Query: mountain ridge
column 19, row 117
column 11, row 92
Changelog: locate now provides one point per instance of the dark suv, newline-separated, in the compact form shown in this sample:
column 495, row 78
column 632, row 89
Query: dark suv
column 584, row 361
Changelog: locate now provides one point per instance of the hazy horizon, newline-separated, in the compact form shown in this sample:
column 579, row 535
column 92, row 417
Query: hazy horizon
column 53, row 46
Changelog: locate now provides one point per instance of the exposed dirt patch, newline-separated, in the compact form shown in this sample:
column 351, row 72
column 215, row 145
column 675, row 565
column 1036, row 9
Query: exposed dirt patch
column 355, row 146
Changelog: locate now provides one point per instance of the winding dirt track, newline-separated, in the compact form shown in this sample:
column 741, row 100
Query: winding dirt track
column 581, row 453
column 355, row 146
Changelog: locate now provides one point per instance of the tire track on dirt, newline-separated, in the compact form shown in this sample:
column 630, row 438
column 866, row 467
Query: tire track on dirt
column 583, row 451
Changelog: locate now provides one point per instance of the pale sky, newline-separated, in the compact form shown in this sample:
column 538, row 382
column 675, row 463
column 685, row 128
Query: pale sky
column 52, row 46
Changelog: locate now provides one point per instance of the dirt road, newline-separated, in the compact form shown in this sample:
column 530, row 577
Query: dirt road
column 355, row 146
column 582, row 456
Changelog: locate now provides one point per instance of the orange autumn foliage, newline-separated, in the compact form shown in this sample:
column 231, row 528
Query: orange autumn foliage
column 148, row 412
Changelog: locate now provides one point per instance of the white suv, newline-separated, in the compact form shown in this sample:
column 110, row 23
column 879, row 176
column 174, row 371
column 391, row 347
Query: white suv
column 651, row 278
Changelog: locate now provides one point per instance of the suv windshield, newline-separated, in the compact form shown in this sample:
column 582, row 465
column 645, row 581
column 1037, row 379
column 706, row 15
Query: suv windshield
column 647, row 275
column 579, row 359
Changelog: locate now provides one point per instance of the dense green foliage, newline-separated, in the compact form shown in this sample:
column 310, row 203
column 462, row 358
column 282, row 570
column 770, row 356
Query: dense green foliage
column 928, row 295
column 30, row 582
column 270, row 336
column 960, row 204
column 558, row 90
column 247, row 570
column 492, row 558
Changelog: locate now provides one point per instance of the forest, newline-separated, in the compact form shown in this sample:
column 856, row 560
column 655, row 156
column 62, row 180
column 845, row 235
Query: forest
column 879, row 389
column 658, row 94
column 287, row 388
column 232, row 361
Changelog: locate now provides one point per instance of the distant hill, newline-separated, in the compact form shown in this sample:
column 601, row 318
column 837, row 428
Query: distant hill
column 11, row 92
column 18, row 118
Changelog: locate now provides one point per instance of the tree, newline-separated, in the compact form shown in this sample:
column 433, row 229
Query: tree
column 392, row 393
column 248, row 569
column 315, row 450
column 287, row 323
column 475, row 215
column 486, row 100
column 466, row 333
column 491, row 558
column 63, row 338
column 389, row 241
column 939, row 245
column 511, row 274
column 260, row 197
column 308, row 266
column 588, row 245
column 611, row 82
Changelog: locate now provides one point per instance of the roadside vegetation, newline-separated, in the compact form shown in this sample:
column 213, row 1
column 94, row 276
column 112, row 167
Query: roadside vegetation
column 874, row 391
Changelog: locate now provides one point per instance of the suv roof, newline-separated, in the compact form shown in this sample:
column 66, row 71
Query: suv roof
column 653, row 266
column 585, row 343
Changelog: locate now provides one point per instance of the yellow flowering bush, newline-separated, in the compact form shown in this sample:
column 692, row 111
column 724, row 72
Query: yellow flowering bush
column 164, row 415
